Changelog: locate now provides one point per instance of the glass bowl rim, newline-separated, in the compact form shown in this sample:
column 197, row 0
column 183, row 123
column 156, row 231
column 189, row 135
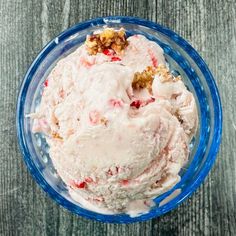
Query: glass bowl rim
column 214, row 146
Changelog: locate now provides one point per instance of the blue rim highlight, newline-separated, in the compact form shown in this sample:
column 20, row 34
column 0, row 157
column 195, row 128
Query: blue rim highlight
column 213, row 148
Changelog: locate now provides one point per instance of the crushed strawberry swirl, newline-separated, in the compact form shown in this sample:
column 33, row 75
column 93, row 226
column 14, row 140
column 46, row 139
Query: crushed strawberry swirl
column 139, row 103
column 116, row 102
column 94, row 117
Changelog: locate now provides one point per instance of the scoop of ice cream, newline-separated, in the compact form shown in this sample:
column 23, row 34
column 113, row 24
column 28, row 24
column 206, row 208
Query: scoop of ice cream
column 141, row 53
column 181, row 99
column 114, row 145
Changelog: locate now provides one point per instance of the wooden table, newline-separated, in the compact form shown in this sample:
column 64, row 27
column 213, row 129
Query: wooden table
column 27, row 25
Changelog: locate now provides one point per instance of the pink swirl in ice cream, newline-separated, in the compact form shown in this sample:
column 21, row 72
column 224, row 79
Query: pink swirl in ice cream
column 115, row 145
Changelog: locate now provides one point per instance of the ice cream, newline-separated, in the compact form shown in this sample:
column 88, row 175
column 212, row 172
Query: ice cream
column 118, row 123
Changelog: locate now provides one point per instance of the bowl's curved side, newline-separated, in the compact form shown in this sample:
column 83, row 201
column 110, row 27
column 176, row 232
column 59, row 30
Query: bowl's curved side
column 217, row 110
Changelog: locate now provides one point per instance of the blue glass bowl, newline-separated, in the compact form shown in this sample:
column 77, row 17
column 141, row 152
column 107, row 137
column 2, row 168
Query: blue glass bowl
column 182, row 59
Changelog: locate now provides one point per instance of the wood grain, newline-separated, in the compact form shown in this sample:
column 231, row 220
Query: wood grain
column 26, row 26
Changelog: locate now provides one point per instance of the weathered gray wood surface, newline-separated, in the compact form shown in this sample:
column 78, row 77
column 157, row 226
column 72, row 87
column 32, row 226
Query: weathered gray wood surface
column 27, row 25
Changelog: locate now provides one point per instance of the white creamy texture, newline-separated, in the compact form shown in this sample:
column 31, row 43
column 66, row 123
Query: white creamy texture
column 109, row 153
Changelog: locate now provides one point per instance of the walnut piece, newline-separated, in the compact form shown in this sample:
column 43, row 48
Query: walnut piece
column 145, row 78
column 165, row 74
column 104, row 121
column 107, row 39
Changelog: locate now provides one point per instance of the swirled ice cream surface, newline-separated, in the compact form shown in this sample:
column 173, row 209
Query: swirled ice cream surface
column 116, row 147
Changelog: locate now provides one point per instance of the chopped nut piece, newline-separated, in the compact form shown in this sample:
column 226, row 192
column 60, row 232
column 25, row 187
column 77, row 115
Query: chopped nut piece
column 144, row 79
column 56, row 135
column 107, row 39
column 104, row 121
column 175, row 79
column 165, row 75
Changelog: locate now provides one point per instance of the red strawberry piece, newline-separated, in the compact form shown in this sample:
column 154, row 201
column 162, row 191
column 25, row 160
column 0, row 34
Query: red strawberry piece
column 153, row 58
column 45, row 83
column 94, row 117
column 124, row 182
column 81, row 185
column 108, row 52
column 78, row 184
column 154, row 61
column 115, row 59
column 116, row 102
column 136, row 103
column 139, row 103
